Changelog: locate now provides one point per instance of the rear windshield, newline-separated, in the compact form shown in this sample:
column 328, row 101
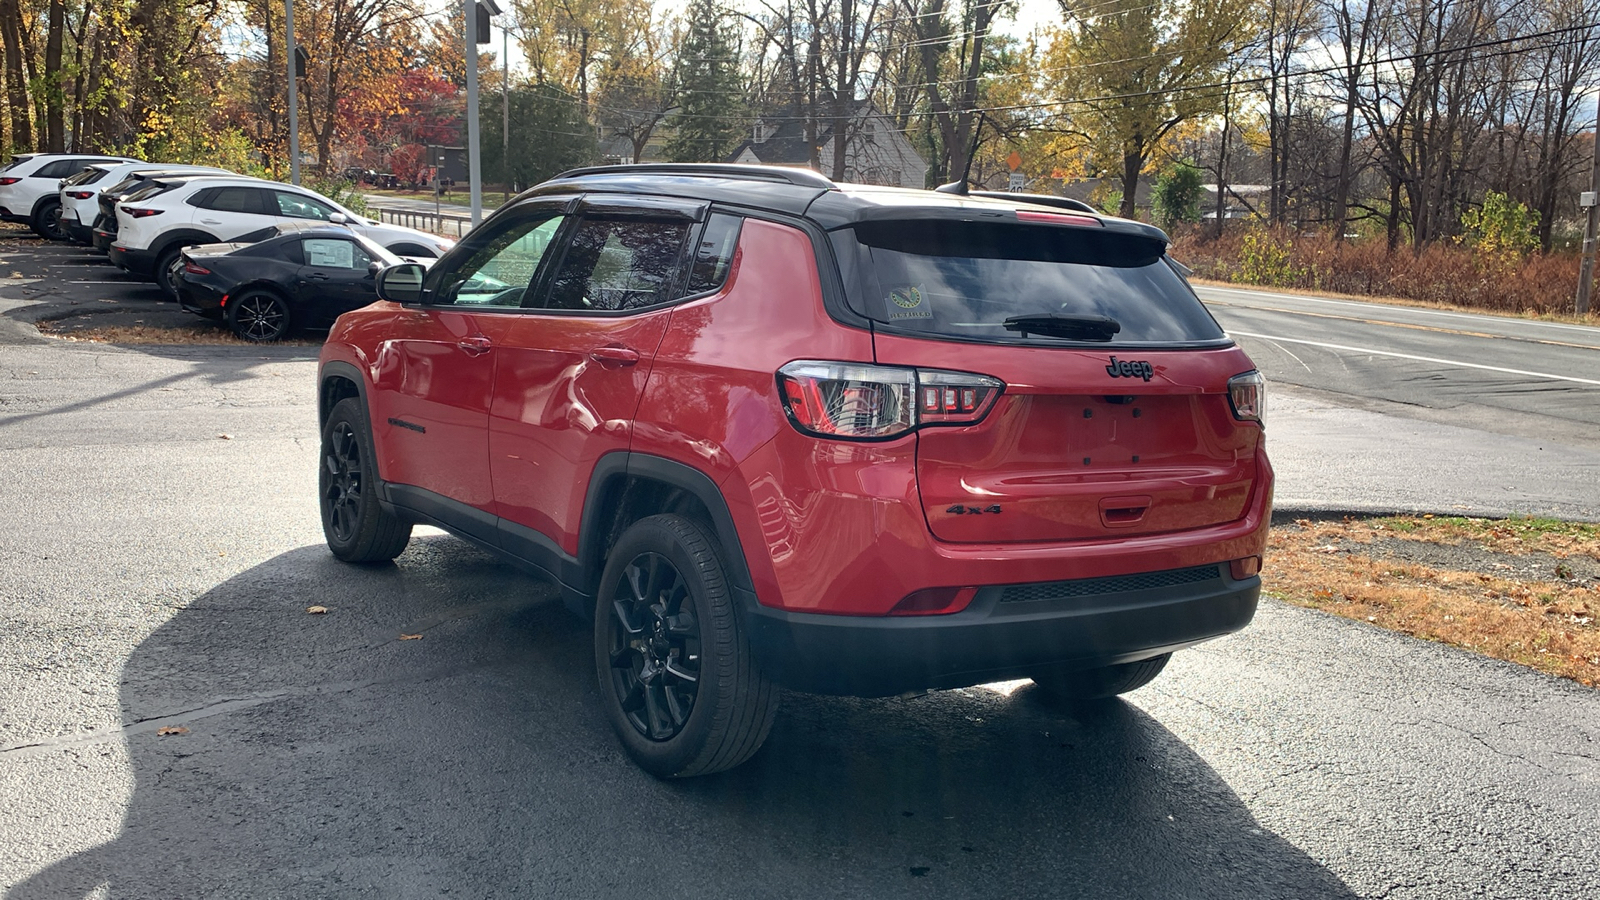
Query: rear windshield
column 146, row 192
column 962, row 280
column 87, row 176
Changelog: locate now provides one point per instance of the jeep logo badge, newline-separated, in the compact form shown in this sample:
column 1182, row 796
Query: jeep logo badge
column 1136, row 368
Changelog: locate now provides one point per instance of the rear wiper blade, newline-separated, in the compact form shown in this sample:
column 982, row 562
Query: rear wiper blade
column 1083, row 328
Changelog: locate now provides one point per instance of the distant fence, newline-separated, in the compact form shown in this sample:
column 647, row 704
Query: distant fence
column 443, row 224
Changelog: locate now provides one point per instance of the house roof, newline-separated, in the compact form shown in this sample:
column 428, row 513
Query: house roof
column 787, row 146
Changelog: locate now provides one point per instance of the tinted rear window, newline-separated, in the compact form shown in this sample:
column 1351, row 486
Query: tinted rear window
column 962, row 280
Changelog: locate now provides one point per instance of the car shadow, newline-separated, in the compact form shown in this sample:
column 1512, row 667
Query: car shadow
column 437, row 730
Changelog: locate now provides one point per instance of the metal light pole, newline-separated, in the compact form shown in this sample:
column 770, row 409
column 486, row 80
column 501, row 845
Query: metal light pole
column 294, row 95
column 1586, row 272
column 505, row 114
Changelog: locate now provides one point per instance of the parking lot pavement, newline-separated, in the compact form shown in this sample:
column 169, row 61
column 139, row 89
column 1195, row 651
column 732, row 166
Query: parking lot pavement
column 75, row 287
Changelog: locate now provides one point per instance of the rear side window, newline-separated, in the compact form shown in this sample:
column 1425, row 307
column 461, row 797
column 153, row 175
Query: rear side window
column 618, row 264
column 60, row 168
column 714, row 255
column 231, row 199
column 963, row 280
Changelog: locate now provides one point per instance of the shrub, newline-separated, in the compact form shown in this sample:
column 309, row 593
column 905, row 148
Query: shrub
column 1501, row 227
column 1175, row 197
column 1263, row 259
column 341, row 191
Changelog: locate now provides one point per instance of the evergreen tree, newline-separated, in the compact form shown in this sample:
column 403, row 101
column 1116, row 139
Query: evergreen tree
column 548, row 135
column 710, row 95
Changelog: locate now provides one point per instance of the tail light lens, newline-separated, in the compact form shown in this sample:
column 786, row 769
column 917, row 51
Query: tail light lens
column 80, row 195
column 1248, row 394
column 866, row 402
column 935, row 601
column 141, row 212
column 193, row 268
column 6, row 182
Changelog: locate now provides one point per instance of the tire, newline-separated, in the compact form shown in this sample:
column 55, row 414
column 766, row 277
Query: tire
column 357, row 528
column 1101, row 683
column 46, row 221
column 163, row 273
column 259, row 317
column 677, row 678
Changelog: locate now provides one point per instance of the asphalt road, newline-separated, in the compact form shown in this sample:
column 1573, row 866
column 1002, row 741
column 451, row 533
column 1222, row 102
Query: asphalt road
column 161, row 546
column 155, row 574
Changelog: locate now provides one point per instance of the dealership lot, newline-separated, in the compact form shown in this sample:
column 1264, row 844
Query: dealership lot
column 163, row 547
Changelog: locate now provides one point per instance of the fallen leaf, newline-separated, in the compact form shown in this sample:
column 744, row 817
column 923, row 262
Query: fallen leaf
column 410, row 637
column 225, row 437
column 171, row 729
column 316, row 610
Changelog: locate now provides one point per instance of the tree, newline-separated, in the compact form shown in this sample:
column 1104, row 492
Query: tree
column 1176, row 197
column 710, row 94
column 1129, row 71
column 548, row 136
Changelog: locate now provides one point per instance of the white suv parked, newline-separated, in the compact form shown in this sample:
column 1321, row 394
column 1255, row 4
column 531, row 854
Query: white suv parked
column 29, row 185
column 152, row 228
column 80, row 194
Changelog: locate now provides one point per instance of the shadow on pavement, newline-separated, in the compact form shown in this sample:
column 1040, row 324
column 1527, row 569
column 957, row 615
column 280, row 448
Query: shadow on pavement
column 326, row 757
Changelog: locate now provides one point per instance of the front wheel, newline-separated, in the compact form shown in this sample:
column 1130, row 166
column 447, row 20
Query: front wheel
column 47, row 221
column 1101, row 683
column 677, row 677
column 259, row 317
column 356, row 526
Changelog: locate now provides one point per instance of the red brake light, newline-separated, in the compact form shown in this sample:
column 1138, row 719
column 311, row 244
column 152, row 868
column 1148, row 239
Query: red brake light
column 9, row 181
column 1025, row 215
column 1248, row 395
column 80, row 195
column 192, row 268
column 140, row 212
column 867, row 402
column 1241, row 569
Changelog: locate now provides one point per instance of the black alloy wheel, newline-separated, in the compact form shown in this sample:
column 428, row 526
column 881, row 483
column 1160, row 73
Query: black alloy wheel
column 175, row 273
column 168, row 264
column 354, row 523
column 259, row 317
column 47, row 221
column 655, row 647
column 678, row 681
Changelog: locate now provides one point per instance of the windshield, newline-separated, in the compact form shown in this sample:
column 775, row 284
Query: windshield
column 964, row 280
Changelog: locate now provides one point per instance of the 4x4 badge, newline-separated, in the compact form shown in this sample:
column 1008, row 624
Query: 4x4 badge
column 1130, row 368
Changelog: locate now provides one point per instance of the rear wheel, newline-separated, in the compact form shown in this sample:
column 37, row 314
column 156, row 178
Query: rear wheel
column 166, row 271
column 259, row 316
column 354, row 523
column 1101, row 683
column 677, row 678
column 46, row 221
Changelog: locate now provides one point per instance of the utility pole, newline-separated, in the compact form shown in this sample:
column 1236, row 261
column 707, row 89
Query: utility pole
column 1586, row 272
column 294, row 94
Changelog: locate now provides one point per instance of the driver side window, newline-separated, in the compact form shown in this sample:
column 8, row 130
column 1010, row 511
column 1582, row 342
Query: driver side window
column 500, row 273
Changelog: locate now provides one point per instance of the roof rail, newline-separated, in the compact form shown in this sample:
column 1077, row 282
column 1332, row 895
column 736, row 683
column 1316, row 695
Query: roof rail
column 801, row 177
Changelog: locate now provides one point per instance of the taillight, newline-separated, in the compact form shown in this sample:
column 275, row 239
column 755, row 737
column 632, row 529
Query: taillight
column 866, row 402
column 6, row 182
column 1248, row 394
column 192, row 268
column 80, row 195
column 140, row 212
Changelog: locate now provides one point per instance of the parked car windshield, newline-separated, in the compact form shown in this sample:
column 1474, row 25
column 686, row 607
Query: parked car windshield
column 963, row 280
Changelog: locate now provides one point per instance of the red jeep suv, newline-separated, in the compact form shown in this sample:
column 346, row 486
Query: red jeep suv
column 764, row 429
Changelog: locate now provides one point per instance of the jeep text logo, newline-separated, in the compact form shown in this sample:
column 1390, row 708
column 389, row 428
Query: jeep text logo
column 1130, row 369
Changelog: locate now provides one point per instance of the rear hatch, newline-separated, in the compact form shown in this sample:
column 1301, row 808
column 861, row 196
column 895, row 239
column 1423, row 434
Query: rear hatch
column 1115, row 418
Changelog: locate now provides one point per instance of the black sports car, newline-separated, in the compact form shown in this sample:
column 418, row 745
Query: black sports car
column 281, row 278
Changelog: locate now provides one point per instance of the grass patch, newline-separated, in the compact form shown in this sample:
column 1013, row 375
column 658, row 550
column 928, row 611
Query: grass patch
column 1522, row 590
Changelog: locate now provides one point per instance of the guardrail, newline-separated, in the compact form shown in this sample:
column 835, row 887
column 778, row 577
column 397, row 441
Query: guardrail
column 443, row 224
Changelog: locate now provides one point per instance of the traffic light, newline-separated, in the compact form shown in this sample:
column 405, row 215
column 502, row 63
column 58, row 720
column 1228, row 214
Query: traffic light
column 301, row 62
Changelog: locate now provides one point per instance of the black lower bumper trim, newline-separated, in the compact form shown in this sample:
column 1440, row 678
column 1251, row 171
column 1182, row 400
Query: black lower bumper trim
column 882, row 656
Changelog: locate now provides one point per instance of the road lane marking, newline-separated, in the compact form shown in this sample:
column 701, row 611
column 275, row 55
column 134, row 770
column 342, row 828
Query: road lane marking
column 1431, row 359
column 1419, row 310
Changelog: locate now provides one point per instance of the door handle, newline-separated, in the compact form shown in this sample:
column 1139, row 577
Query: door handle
column 614, row 356
column 211, row 221
column 318, row 276
column 477, row 345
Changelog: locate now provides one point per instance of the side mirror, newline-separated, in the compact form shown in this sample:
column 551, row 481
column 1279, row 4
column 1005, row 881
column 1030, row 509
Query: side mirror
column 338, row 218
column 401, row 283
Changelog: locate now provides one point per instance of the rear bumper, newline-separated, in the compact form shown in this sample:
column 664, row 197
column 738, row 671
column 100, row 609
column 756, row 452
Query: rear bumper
column 1002, row 634
column 79, row 232
column 9, row 216
column 139, row 262
column 104, row 239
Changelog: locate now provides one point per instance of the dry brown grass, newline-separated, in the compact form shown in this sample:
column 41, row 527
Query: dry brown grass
column 1545, row 621
column 1441, row 274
